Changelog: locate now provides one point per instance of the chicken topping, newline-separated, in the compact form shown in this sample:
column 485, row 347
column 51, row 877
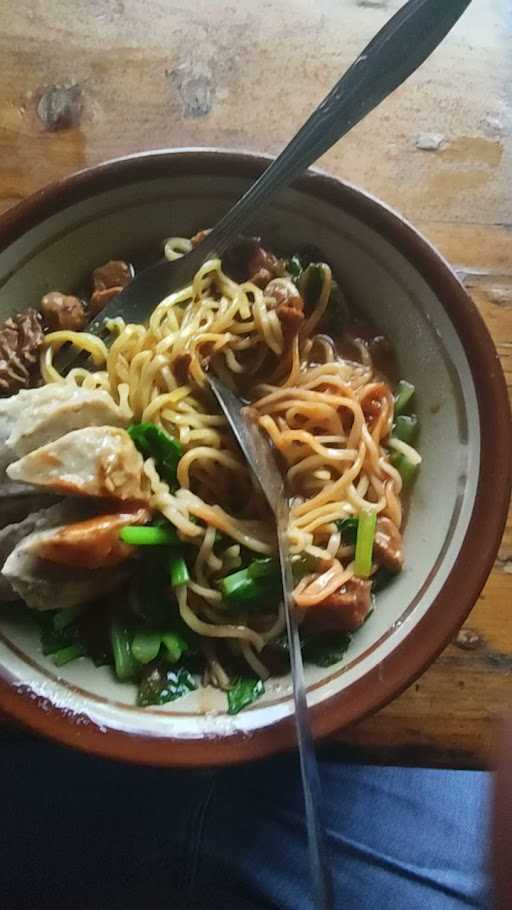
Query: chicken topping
column 99, row 299
column 63, row 311
column 262, row 267
column 114, row 274
column 283, row 290
column 343, row 611
column 199, row 237
column 291, row 321
column 180, row 368
column 374, row 402
column 387, row 547
column 247, row 260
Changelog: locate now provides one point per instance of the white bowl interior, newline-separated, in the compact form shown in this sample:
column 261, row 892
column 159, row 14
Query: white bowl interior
column 62, row 251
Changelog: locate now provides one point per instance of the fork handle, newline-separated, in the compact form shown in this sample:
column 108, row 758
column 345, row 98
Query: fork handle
column 397, row 50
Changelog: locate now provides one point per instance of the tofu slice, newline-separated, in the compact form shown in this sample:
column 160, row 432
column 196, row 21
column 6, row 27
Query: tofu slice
column 95, row 461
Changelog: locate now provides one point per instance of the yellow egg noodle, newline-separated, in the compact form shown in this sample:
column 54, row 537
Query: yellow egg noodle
column 305, row 397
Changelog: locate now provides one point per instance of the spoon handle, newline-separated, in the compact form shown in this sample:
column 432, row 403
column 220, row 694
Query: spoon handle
column 397, row 50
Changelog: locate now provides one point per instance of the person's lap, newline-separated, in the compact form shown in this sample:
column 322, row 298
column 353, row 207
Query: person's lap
column 79, row 831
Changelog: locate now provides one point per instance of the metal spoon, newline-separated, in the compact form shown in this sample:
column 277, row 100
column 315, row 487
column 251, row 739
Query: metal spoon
column 263, row 465
column 397, row 50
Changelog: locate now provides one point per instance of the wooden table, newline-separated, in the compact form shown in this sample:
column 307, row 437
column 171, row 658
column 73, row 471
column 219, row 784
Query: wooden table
column 82, row 82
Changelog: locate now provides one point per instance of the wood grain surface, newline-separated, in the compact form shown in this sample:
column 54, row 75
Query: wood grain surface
column 81, row 82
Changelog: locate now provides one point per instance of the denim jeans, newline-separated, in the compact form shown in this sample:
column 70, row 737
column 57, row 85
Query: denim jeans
column 81, row 832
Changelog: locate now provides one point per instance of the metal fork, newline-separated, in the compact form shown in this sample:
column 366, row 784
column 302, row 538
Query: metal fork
column 397, row 50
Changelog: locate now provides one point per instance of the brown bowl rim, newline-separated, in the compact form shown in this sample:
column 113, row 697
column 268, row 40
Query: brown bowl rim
column 480, row 545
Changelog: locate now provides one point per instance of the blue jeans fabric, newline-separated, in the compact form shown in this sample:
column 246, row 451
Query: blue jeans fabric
column 82, row 832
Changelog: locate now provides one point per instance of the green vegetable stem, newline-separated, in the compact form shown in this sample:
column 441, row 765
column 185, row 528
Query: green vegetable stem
column 404, row 393
column 259, row 580
column 406, row 428
column 179, row 572
column 364, row 543
column 125, row 665
column 149, row 536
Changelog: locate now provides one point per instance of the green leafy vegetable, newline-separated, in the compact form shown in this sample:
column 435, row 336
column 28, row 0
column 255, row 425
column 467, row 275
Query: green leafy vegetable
column 348, row 528
column 261, row 579
column 406, row 428
column 364, row 543
column 71, row 652
column 52, row 639
column 67, row 616
column 125, row 665
column 311, row 284
column 326, row 649
column 244, row 690
column 403, row 395
column 150, row 596
column 179, row 572
column 153, row 442
column 149, row 535
column 294, row 267
column 302, row 565
column 160, row 684
column 84, row 630
column 337, row 314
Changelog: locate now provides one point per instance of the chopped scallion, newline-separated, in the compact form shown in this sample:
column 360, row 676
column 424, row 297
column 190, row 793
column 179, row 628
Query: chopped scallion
column 259, row 580
column 149, row 536
column 179, row 572
column 364, row 543
column 404, row 392
column 71, row 652
column 406, row 428
column 405, row 467
column 125, row 665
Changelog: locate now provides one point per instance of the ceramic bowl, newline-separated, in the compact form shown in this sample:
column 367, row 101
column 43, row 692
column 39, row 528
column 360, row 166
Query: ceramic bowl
column 124, row 208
